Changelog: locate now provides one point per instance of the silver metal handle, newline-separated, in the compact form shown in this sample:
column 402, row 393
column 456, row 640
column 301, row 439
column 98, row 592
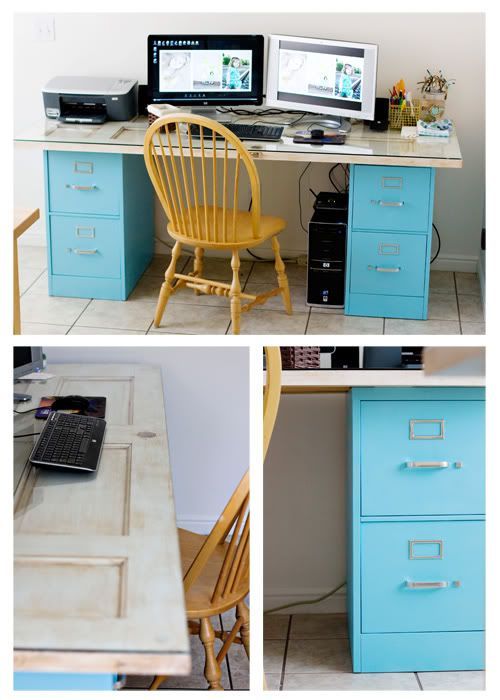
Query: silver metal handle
column 414, row 585
column 427, row 465
column 385, row 203
column 81, row 188
column 377, row 268
column 80, row 251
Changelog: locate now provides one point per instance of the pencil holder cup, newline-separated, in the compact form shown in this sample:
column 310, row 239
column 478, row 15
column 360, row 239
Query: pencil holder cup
column 404, row 117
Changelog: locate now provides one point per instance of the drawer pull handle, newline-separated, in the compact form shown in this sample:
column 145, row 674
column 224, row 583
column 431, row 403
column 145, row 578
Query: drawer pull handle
column 385, row 203
column 377, row 268
column 82, row 188
column 427, row 465
column 430, row 585
column 83, row 251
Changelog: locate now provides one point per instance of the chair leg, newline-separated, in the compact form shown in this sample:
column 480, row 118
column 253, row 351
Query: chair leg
column 198, row 265
column 279, row 266
column 167, row 287
column 213, row 671
column 235, row 293
column 242, row 612
column 157, row 681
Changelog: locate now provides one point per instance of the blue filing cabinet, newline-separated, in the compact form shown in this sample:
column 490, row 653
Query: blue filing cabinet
column 389, row 241
column 100, row 235
column 64, row 681
column 416, row 529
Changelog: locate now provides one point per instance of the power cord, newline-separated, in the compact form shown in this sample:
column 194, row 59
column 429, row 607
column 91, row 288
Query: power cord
column 300, row 194
column 306, row 602
column 439, row 243
column 28, row 411
column 27, row 434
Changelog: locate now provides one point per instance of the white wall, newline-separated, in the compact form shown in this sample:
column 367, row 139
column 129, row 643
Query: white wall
column 304, row 502
column 206, row 404
column 115, row 44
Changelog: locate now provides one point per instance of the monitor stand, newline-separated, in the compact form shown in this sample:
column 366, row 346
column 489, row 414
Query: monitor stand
column 327, row 121
column 208, row 112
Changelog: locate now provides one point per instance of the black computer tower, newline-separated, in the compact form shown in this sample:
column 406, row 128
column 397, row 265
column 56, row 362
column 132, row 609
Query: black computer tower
column 326, row 258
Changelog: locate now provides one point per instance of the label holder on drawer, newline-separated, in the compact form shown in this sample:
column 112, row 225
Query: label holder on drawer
column 414, row 422
column 412, row 546
column 392, row 183
column 83, row 167
column 85, row 231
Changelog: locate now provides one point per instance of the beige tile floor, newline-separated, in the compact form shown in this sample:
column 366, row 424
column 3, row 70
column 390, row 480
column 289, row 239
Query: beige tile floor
column 235, row 669
column 454, row 307
column 311, row 652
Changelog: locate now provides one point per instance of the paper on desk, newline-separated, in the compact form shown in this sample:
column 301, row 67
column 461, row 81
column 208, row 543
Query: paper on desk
column 327, row 147
column 37, row 376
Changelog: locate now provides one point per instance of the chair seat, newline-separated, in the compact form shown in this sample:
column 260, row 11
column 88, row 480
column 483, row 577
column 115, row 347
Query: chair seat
column 269, row 226
column 198, row 598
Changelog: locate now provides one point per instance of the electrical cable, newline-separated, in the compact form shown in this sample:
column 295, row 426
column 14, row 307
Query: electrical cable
column 167, row 245
column 300, row 198
column 30, row 410
column 27, row 434
column 306, row 602
column 439, row 243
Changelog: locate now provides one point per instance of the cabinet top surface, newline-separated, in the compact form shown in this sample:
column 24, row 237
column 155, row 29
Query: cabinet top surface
column 323, row 378
column 97, row 566
column 362, row 145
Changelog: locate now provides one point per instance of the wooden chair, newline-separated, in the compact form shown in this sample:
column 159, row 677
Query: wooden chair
column 272, row 396
column 200, row 197
column 216, row 579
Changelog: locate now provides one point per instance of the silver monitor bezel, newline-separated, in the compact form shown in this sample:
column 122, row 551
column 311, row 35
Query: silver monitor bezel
column 368, row 104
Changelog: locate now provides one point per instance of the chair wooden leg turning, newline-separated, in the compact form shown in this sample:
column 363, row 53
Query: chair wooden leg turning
column 242, row 613
column 279, row 266
column 198, row 265
column 235, row 293
column 213, row 671
column 157, row 681
column 167, row 286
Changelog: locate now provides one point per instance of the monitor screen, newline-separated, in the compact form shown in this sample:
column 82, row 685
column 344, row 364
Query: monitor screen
column 322, row 76
column 205, row 70
column 27, row 360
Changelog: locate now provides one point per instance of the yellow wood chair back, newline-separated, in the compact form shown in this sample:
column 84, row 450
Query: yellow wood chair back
column 193, row 200
column 232, row 581
column 272, row 392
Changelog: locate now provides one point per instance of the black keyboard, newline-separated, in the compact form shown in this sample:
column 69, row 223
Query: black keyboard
column 245, row 132
column 70, row 441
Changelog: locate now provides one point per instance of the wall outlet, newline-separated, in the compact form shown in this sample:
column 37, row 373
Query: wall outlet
column 44, row 28
column 302, row 260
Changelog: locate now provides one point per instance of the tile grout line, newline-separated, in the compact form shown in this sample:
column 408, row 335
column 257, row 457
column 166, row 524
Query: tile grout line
column 230, row 677
column 285, row 652
column 458, row 303
column 78, row 317
column 34, row 282
column 420, row 686
column 307, row 324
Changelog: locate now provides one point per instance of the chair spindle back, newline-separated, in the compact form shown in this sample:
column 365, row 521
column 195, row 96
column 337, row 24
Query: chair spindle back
column 191, row 199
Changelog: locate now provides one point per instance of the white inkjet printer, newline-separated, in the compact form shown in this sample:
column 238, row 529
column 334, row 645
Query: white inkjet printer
column 83, row 100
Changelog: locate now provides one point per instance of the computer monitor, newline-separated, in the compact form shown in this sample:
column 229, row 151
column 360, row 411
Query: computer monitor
column 26, row 360
column 207, row 70
column 322, row 76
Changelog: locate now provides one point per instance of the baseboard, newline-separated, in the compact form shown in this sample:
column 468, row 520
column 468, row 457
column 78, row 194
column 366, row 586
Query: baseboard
column 200, row 525
column 481, row 273
column 456, row 263
column 336, row 603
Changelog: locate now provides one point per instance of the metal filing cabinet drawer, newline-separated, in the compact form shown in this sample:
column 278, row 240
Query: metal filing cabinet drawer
column 84, row 183
column 85, row 246
column 388, row 263
column 422, row 457
column 388, row 198
column 422, row 576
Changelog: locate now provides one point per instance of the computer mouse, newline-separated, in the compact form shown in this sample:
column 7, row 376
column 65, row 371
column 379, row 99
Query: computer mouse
column 70, row 403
